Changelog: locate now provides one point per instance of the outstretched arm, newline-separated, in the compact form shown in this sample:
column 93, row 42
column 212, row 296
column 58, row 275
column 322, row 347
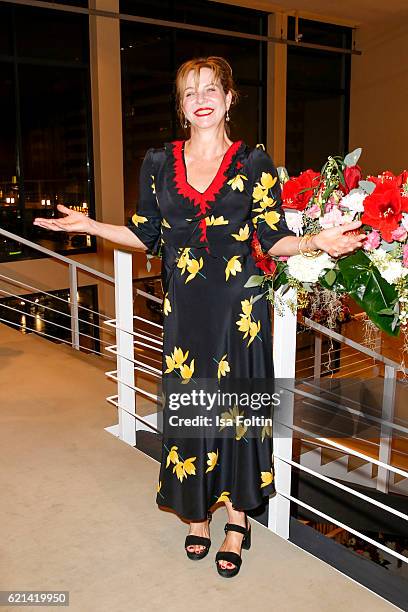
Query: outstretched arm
column 79, row 223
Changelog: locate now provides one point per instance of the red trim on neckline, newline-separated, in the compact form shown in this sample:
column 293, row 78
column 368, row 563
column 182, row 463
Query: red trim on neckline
column 198, row 198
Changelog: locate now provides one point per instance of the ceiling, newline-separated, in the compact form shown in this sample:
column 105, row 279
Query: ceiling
column 350, row 12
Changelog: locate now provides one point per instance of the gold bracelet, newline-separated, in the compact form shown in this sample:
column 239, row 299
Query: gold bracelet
column 308, row 252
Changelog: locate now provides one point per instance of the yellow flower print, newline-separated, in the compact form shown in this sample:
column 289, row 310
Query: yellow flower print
column 165, row 223
column 223, row 367
column 254, row 328
column 212, row 461
column 266, row 432
column 238, row 182
column 184, row 259
column 159, row 486
column 224, row 497
column 179, row 357
column 166, row 305
column 267, row 202
column 187, row 371
column 271, row 217
column 172, row 457
column 233, row 266
column 246, row 306
column 243, row 233
column 183, row 468
column 153, row 184
column 267, row 181
column 216, row 220
column 193, row 267
column 136, row 219
column 231, row 418
column 259, row 193
column 175, row 360
column 245, row 323
column 267, row 478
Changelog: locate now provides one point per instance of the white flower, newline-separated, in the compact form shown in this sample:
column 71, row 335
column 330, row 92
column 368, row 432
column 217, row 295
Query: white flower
column 393, row 271
column 390, row 269
column 354, row 200
column 308, row 269
column 294, row 220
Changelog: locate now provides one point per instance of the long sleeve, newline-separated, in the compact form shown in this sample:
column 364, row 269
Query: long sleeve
column 146, row 222
column 267, row 213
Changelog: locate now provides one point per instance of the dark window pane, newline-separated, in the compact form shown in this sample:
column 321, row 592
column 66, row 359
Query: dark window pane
column 318, row 70
column 150, row 57
column 6, row 38
column 317, row 105
column 51, row 35
column 320, row 33
column 199, row 12
column 55, row 133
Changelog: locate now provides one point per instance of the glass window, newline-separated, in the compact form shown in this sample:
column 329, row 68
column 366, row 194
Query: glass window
column 45, row 129
column 318, row 94
column 6, row 39
column 51, row 35
column 150, row 57
column 199, row 12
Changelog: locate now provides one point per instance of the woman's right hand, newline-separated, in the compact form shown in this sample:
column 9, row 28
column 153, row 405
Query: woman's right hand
column 73, row 222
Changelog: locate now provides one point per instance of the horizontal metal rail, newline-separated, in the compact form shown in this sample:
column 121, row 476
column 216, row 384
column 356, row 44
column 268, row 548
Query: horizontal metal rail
column 66, row 260
column 359, row 347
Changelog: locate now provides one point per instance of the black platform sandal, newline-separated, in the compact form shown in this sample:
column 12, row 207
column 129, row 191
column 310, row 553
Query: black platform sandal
column 194, row 540
column 233, row 557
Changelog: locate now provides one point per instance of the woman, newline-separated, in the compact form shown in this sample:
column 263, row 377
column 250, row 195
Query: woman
column 200, row 201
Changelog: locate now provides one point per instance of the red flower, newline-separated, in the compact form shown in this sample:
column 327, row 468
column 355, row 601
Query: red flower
column 383, row 208
column 403, row 178
column 263, row 261
column 293, row 194
column 386, row 177
column 352, row 176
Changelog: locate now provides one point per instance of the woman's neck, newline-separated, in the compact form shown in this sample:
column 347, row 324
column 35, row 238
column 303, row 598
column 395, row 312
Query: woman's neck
column 207, row 144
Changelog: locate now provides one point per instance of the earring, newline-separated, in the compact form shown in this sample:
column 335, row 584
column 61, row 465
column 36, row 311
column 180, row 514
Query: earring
column 185, row 124
column 227, row 117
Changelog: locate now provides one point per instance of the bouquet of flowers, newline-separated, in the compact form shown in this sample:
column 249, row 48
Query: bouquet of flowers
column 376, row 276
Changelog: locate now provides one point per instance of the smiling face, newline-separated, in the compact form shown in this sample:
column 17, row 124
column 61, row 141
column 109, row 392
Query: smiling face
column 204, row 102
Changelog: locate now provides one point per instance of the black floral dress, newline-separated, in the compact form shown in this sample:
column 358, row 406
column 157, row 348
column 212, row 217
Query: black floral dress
column 216, row 331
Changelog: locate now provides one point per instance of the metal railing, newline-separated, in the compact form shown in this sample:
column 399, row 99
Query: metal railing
column 284, row 427
column 130, row 338
column 71, row 312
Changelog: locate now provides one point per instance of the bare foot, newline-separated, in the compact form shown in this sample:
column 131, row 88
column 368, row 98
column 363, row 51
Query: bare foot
column 200, row 529
column 233, row 540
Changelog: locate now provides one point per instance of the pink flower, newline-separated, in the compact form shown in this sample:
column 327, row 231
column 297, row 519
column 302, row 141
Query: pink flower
column 372, row 241
column 332, row 218
column 313, row 212
column 405, row 256
column 399, row 234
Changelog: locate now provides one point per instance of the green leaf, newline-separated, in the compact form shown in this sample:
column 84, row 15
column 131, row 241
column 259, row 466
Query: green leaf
column 387, row 311
column 363, row 282
column 330, row 277
column 254, row 281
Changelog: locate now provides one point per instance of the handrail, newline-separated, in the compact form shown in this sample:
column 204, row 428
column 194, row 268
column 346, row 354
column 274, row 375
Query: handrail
column 54, row 255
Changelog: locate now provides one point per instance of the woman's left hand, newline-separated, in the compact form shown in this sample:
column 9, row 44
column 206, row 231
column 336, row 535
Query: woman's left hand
column 336, row 242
